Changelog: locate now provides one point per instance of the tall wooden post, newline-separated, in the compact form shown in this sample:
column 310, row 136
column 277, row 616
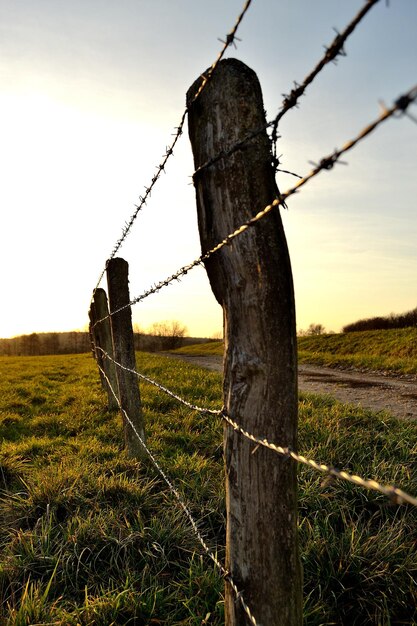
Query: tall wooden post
column 124, row 353
column 251, row 278
column 103, row 340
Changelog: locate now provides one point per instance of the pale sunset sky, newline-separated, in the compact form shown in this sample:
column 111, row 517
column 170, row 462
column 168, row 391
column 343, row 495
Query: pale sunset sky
column 90, row 94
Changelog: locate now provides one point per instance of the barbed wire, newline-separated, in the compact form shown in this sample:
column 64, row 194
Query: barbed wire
column 392, row 492
column 169, row 150
column 230, row 40
column 225, row 574
column 400, row 105
column 397, row 495
column 194, row 407
column 335, row 49
column 290, row 101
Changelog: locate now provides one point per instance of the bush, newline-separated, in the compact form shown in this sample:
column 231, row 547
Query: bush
column 403, row 320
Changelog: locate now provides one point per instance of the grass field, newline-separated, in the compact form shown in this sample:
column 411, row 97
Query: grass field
column 90, row 537
column 387, row 350
column 213, row 348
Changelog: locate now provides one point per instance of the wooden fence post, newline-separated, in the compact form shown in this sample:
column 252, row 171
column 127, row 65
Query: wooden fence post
column 124, row 353
column 95, row 341
column 251, row 278
column 103, row 340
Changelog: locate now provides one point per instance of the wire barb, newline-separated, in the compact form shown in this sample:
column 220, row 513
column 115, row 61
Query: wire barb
column 170, row 149
column 230, row 39
column 291, row 100
column 325, row 163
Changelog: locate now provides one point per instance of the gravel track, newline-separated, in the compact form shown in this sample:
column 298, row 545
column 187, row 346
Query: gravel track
column 375, row 391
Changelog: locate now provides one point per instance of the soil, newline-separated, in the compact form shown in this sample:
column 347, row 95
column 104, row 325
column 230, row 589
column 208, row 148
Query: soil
column 378, row 391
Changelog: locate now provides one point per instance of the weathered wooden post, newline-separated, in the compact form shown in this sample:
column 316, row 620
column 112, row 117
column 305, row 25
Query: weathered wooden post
column 124, row 353
column 103, row 340
column 95, row 342
column 251, row 278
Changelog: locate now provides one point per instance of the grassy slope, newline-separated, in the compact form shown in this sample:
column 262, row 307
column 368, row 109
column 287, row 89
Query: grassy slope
column 390, row 350
column 213, row 348
column 89, row 537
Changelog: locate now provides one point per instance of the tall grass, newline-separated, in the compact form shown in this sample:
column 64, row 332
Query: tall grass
column 88, row 536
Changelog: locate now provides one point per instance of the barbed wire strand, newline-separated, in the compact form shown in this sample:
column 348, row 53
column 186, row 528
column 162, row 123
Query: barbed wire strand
column 327, row 163
column 226, row 575
column 392, row 492
column 397, row 495
column 194, row 407
column 230, row 38
column 335, row 49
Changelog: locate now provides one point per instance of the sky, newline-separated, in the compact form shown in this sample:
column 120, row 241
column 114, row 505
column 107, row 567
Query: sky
column 90, row 94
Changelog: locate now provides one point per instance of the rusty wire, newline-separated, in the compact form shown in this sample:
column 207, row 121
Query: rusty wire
column 169, row 150
column 290, row 101
column 326, row 163
column 224, row 573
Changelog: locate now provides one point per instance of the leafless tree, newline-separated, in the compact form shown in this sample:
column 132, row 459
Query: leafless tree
column 315, row 329
column 170, row 334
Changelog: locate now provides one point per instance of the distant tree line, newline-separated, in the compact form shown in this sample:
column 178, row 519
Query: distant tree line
column 159, row 337
column 402, row 320
column 37, row 344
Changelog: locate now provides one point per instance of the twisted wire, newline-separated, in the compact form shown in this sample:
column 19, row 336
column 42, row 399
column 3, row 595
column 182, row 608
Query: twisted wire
column 226, row 575
column 291, row 100
column 396, row 495
column 143, row 199
column 230, row 38
column 327, row 163
column 194, row 407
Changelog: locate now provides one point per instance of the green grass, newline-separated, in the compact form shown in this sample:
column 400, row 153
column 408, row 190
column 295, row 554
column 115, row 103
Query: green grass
column 377, row 350
column 212, row 348
column 388, row 350
column 89, row 536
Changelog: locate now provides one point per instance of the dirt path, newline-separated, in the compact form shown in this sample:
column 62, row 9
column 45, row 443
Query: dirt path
column 378, row 392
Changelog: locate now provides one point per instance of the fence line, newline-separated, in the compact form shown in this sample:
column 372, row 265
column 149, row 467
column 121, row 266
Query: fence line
column 331, row 52
column 394, row 493
column 194, row 407
column 225, row 574
column 400, row 105
column 230, row 38
column 290, row 101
